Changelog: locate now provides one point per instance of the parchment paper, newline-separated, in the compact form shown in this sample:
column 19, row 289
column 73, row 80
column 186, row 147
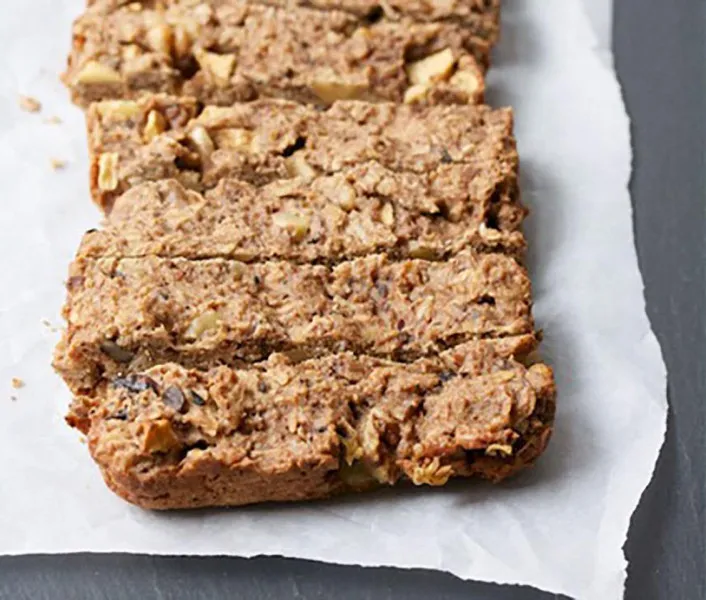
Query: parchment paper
column 560, row 527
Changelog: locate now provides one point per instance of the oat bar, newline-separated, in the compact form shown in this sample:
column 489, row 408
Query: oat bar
column 160, row 137
column 230, row 51
column 326, row 220
column 171, row 437
column 480, row 18
column 128, row 314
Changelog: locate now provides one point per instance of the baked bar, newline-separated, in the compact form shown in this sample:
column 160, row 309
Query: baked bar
column 125, row 315
column 325, row 220
column 226, row 51
column 481, row 18
column 171, row 437
column 159, row 137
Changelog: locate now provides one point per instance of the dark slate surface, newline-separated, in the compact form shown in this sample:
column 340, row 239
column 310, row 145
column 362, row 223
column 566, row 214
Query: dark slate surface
column 661, row 58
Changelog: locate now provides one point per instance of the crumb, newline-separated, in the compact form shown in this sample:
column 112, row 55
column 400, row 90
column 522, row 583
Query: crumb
column 48, row 324
column 53, row 120
column 29, row 104
column 82, row 439
column 58, row 164
column 13, row 398
column 17, row 383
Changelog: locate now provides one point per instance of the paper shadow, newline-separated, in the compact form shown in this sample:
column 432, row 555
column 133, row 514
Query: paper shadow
column 518, row 46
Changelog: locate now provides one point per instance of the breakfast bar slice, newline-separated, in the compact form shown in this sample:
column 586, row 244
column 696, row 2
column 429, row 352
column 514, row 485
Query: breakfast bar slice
column 359, row 211
column 225, row 51
column 125, row 315
column 454, row 150
column 171, row 437
column 480, row 19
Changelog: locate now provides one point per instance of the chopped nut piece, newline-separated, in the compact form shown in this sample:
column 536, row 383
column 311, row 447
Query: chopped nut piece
column 233, row 139
column 108, row 171
column 298, row 167
column 296, row 224
column 161, row 38
column 466, row 81
column 433, row 68
column 329, row 90
column 121, row 110
column 95, row 72
column 214, row 113
column 17, row 383
column 343, row 194
column 156, row 124
column 387, row 215
column 57, row 164
column 221, row 66
column 417, row 250
column 160, row 437
column 416, row 93
column 499, row 450
column 202, row 324
column 29, row 104
column 182, row 42
column 202, row 141
column 131, row 51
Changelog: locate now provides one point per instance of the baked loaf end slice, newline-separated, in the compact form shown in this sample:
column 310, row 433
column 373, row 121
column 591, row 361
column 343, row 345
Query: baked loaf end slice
column 158, row 137
column 127, row 314
column 224, row 52
column 170, row 437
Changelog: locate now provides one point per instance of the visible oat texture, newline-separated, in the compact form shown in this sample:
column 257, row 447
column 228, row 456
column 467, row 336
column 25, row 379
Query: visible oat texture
column 172, row 437
column 225, row 51
column 453, row 151
column 310, row 276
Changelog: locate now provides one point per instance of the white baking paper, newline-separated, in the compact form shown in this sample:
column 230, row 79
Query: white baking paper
column 560, row 527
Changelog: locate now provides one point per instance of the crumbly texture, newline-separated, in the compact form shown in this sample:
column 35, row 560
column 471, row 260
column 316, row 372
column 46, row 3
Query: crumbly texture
column 159, row 137
column 230, row 51
column 480, row 18
column 170, row 437
column 130, row 314
column 359, row 211
column 29, row 104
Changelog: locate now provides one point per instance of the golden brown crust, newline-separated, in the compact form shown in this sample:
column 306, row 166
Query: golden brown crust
column 224, row 52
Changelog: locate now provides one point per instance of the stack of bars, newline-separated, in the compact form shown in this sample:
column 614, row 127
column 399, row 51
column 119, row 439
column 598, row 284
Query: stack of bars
column 310, row 278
